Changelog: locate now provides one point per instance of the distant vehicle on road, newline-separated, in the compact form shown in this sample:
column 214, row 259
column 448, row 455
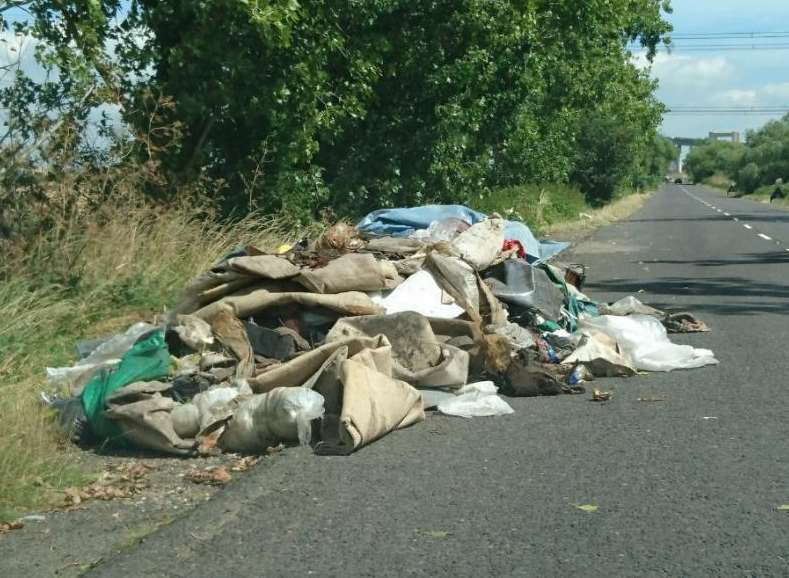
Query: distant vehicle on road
column 678, row 181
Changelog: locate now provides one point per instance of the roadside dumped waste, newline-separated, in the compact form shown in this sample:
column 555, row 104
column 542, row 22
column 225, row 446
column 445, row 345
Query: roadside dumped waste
column 336, row 342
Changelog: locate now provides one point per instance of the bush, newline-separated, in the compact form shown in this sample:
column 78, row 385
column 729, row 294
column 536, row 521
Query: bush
column 749, row 178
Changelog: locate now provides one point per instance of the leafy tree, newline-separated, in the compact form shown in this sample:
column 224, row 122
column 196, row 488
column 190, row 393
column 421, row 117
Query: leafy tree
column 301, row 104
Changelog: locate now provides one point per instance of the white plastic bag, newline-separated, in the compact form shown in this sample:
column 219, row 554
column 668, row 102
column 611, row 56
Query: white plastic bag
column 476, row 400
column 107, row 354
column 420, row 293
column 644, row 342
column 282, row 414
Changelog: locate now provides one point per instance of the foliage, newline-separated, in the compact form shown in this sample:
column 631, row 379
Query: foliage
column 759, row 162
column 301, row 105
column 714, row 157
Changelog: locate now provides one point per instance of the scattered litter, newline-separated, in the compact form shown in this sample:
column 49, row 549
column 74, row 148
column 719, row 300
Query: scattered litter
column 652, row 399
column 121, row 481
column 708, row 418
column 33, row 518
column 476, row 400
column 589, row 508
column 336, row 342
column 599, row 395
column 213, row 476
column 783, row 508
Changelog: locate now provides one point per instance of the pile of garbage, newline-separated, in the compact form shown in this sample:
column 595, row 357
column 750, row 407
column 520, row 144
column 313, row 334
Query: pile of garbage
column 336, row 342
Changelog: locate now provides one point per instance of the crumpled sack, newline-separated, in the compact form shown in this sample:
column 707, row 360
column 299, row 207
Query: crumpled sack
column 480, row 244
column 419, row 358
column 352, row 272
column 259, row 298
column 143, row 415
column 644, row 343
column 475, row 400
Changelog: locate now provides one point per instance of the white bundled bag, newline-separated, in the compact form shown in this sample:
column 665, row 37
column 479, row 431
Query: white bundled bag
column 282, row 414
column 644, row 342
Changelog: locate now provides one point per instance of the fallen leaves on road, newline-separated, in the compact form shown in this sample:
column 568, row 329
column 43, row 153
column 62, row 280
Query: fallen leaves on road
column 245, row 463
column 8, row 526
column 121, row 481
column 599, row 395
column 589, row 508
column 213, row 476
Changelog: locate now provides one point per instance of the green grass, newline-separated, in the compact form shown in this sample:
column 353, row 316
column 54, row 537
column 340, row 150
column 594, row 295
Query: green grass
column 79, row 282
column 540, row 207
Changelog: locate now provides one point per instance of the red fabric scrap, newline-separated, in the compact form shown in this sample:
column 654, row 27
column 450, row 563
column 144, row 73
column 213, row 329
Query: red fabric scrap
column 514, row 244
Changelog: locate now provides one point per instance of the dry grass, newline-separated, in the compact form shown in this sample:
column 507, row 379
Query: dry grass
column 595, row 218
column 87, row 278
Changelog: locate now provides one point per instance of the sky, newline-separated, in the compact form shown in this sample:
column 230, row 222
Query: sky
column 723, row 78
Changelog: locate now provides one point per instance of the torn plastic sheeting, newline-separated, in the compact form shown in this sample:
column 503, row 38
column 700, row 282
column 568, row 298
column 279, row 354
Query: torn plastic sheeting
column 147, row 360
column 644, row 343
column 599, row 357
column 476, row 400
column 628, row 306
column 283, row 414
column 420, row 293
column 105, row 355
column 515, row 281
column 402, row 222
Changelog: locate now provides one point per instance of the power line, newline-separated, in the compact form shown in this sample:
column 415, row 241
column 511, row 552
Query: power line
column 727, row 110
column 719, row 35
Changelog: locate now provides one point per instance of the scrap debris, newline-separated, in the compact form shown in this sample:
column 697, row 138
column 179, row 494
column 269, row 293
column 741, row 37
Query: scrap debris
column 336, row 342
column 213, row 476
column 599, row 395
column 117, row 481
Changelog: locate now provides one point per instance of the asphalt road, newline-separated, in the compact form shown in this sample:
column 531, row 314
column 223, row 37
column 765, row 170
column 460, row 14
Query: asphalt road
column 688, row 486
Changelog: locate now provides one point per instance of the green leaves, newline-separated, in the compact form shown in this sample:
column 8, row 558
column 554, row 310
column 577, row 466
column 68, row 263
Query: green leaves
column 299, row 105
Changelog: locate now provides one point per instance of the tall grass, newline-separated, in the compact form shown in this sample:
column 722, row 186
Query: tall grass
column 539, row 206
column 91, row 275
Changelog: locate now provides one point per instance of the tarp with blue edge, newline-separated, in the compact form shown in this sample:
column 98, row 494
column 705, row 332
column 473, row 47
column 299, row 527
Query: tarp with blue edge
column 404, row 221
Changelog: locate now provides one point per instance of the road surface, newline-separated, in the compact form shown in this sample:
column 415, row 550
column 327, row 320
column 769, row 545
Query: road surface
column 687, row 486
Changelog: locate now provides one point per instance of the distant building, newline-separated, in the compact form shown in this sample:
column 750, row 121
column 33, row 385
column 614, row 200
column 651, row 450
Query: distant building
column 733, row 136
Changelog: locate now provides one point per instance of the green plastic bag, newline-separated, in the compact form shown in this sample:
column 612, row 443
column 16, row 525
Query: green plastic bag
column 147, row 360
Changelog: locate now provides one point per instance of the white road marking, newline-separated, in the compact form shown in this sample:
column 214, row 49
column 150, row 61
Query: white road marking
column 765, row 237
column 727, row 214
column 736, row 219
column 747, row 226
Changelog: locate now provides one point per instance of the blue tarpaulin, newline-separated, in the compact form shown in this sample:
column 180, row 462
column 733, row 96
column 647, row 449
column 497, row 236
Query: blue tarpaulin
column 403, row 222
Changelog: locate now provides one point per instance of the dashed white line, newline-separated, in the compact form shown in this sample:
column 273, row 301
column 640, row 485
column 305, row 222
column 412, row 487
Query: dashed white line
column 765, row 237
column 727, row 214
column 747, row 226
column 736, row 219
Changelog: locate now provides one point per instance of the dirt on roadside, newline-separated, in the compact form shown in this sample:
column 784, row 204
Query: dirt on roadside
column 133, row 497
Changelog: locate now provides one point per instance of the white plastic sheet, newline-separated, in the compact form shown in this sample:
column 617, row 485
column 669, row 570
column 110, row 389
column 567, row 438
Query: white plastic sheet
column 476, row 400
column 107, row 354
column 644, row 342
column 420, row 293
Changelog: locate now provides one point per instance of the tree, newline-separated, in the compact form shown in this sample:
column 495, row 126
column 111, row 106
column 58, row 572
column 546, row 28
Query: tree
column 356, row 104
